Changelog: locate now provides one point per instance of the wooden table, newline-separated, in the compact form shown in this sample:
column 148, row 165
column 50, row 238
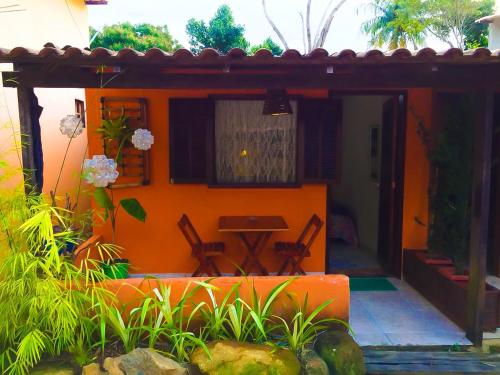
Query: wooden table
column 244, row 226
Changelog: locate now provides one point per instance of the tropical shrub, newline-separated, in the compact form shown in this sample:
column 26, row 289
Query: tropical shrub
column 44, row 298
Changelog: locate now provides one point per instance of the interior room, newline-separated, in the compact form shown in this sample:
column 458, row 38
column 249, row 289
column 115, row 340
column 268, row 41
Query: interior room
column 354, row 200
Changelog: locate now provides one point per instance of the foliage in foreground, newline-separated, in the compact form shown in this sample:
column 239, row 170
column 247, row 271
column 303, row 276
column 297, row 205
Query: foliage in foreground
column 52, row 307
column 177, row 329
column 44, row 297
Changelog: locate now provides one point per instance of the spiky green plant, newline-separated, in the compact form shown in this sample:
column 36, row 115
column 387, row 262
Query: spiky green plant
column 239, row 323
column 44, row 296
column 215, row 315
column 260, row 311
column 303, row 327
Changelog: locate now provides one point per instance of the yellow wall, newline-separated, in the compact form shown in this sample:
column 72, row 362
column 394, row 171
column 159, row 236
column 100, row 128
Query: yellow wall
column 60, row 22
column 158, row 246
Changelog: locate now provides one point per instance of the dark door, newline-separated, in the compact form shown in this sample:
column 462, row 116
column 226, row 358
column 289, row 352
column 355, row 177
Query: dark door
column 391, row 185
column 494, row 248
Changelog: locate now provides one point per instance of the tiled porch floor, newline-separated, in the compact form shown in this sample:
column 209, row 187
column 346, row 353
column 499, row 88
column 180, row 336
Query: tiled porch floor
column 401, row 317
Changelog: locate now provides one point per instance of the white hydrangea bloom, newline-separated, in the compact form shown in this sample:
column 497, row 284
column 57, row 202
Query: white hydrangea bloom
column 71, row 126
column 142, row 139
column 100, row 171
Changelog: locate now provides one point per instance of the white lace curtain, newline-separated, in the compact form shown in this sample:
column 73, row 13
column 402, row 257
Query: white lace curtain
column 251, row 147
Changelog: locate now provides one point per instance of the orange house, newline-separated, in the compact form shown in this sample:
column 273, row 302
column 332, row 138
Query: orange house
column 204, row 202
column 348, row 148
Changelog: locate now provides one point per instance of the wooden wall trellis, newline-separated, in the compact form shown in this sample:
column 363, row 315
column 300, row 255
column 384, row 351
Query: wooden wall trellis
column 134, row 166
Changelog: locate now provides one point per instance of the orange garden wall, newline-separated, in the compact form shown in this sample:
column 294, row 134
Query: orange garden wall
column 317, row 288
column 158, row 245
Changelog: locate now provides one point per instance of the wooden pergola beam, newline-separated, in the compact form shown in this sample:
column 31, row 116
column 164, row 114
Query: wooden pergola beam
column 481, row 185
column 366, row 77
column 31, row 142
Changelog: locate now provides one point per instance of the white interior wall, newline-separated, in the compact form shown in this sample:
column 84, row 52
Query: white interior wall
column 356, row 189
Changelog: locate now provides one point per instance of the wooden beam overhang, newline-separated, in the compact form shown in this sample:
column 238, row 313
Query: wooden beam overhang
column 358, row 76
column 32, row 155
column 481, row 185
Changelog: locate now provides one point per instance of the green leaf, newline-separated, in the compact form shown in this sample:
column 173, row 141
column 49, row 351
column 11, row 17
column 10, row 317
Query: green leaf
column 134, row 209
column 102, row 198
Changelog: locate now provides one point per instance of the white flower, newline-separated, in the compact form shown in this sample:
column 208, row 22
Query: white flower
column 71, row 126
column 100, row 171
column 142, row 139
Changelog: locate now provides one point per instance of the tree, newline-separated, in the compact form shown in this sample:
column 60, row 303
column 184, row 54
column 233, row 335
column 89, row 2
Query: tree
column 453, row 21
column 270, row 45
column 221, row 33
column 397, row 23
column 321, row 32
column 140, row 37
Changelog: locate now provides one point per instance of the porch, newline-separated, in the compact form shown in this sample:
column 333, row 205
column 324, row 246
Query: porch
column 168, row 192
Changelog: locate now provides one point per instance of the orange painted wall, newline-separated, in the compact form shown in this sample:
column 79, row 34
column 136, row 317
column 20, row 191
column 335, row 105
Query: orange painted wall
column 158, row 246
column 318, row 288
column 416, row 178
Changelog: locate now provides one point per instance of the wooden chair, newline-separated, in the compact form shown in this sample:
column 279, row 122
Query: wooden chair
column 205, row 252
column 295, row 252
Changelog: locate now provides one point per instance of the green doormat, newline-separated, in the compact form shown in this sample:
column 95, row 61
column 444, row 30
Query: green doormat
column 369, row 284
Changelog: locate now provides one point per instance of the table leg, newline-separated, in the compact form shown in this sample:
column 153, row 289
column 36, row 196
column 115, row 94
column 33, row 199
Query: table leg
column 254, row 249
column 249, row 246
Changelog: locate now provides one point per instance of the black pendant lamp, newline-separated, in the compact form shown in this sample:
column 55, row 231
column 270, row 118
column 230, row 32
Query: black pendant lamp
column 277, row 103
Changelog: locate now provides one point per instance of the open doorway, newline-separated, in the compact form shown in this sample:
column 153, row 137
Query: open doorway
column 365, row 205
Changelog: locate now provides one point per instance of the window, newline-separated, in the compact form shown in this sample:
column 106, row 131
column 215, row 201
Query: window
column 251, row 148
column 80, row 110
column 229, row 142
column 191, row 124
column 321, row 119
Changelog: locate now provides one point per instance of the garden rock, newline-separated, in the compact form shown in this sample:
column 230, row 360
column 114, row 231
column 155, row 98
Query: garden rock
column 234, row 358
column 92, row 369
column 112, row 366
column 313, row 364
column 147, row 361
column 341, row 353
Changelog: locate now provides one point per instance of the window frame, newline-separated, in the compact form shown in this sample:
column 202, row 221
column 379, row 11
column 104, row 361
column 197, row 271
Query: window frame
column 212, row 173
column 209, row 178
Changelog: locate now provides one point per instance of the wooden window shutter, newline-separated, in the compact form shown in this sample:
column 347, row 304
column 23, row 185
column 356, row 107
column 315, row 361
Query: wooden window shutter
column 191, row 128
column 320, row 122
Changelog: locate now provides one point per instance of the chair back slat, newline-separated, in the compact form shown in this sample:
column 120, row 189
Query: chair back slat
column 189, row 232
column 310, row 232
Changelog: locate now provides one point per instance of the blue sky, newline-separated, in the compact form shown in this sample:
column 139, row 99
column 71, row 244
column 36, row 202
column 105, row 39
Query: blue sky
column 344, row 33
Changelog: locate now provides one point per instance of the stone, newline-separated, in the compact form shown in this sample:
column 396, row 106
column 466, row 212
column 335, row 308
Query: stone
column 341, row 353
column 92, row 369
column 147, row 361
column 112, row 366
column 234, row 358
column 313, row 364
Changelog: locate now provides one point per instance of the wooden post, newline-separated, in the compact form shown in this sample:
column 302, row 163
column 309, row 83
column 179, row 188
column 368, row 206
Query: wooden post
column 29, row 114
column 480, row 215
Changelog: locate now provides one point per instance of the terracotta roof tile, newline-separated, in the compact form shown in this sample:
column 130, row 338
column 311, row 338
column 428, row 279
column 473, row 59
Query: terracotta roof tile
column 75, row 56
